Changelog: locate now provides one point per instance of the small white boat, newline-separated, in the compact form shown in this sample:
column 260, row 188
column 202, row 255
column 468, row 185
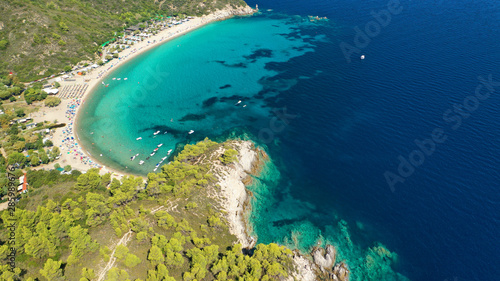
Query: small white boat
column 119, row 79
column 102, row 82
column 154, row 170
column 156, row 133
column 92, row 133
column 139, row 138
column 163, row 159
column 156, row 149
column 141, row 162
column 237, row 102
column 168, row 152
column 160, row 144
column 113, row 78
column 152, row 154
column 362, row 57
column 125, row 78
column 190, row 132
column 132, row 158
column 245, row 105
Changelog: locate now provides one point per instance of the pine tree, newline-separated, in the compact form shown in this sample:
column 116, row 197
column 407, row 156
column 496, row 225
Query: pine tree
column 52, row 270
column 155, row 255
column 88, row 274
column 132, row 260
column 121, row 251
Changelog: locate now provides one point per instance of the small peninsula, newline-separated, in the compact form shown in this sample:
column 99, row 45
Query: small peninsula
column 185, row 223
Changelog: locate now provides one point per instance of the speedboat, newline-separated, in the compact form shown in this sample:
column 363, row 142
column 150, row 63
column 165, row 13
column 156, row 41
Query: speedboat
column 118, row 79
column 152, row 154
column 139, row 138
column 160, row 144
column 141, row 162
column 113, row 78
column 163, row 159
column 156, row 149
column 156, row 133
column 154, row 170
column 190, row 132
column 125, row 78
column 132, row 158
column 237, row 102
column 168, row 152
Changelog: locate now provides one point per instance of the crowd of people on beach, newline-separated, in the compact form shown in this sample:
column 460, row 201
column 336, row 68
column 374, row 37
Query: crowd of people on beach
column 69, row 144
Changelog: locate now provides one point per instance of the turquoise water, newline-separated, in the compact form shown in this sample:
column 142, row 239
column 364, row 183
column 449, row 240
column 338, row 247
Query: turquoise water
column 190, row 83
column 195, row 82
column 279, row 217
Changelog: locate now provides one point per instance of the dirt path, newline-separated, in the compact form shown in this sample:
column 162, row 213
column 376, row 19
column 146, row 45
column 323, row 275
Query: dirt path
column 112, row 259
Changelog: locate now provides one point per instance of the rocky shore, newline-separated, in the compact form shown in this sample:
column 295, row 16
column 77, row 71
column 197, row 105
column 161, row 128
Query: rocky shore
column 234, row 195
column 235, row 202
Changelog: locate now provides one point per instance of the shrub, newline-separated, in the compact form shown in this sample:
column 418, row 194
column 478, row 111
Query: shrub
column 52, row 101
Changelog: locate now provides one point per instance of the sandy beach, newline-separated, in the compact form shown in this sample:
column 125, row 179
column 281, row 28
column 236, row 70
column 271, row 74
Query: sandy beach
column 65, row 138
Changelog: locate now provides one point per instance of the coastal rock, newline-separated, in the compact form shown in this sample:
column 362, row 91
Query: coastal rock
column 235, row 198
column 341, row 272
column 229, row 12
column 234, row 193
column 305, row 269
column 325, row 260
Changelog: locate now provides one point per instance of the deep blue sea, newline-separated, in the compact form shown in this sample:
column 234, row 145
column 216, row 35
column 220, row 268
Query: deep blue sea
column 421, row 109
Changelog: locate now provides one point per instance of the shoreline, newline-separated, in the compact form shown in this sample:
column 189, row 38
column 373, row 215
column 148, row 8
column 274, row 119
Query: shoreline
column 236, row 203
column 98, row 74
column 235, row 196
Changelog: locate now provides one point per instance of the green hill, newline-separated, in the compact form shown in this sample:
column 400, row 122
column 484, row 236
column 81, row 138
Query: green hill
column 39, row 37
column 171, row 227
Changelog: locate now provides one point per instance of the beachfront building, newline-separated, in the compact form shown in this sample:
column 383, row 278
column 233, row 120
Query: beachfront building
column 51, row 91
column 23, row 184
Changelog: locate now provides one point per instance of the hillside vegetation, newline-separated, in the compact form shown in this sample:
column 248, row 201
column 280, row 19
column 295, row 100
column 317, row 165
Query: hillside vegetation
column 40, row 37
column 89, row 227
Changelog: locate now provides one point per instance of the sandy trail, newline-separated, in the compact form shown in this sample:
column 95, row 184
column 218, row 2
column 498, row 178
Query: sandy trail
column 126, row 237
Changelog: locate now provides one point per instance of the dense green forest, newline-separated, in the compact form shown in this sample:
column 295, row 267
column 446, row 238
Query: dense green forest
column 40, row 37
column 169, row 227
